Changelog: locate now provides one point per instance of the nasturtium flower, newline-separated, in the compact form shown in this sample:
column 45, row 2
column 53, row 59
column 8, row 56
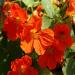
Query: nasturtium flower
column 71, row 9
column 35, row 38
column 14, row 10
column 62, row 33
column 14, row 21
column 54, row 55
column 22, row 66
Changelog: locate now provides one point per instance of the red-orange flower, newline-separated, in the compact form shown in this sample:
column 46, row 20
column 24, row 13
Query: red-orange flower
column 14, row 22
column 39, row 8
column 34, row 37
column 22, row 67
column 52, row 56
column 62, row 33
column 14, row 10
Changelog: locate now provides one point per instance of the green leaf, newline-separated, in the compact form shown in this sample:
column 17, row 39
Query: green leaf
column 73, row 37
column 63, row 8
column 1, row 20
column 72, row 32
column 36, row 3
column 69, row 53
column 69, row 68
column 50, row 8
column 46, row 22
column 45, row 72
column 74, row 18
column 29, row 3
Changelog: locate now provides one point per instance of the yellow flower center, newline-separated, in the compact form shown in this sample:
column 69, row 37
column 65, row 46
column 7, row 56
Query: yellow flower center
column 33, row 31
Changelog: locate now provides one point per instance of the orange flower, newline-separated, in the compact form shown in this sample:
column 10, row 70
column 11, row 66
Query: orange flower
column 34, row 37
column 37, row 40
column 22, row 67
column 62, row 33
column 71, row 9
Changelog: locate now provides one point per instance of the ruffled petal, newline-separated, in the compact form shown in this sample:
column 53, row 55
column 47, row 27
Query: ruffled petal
column 47, row 37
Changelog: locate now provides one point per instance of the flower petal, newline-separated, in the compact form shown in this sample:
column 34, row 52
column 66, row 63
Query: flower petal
column 42, row 62
column 26, row 46
column 69, row 41
column 47, row 37
column 38, row 47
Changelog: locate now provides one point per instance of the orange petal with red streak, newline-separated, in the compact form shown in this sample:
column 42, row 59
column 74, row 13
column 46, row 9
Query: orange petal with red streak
column 38, row 47
column 47, row 37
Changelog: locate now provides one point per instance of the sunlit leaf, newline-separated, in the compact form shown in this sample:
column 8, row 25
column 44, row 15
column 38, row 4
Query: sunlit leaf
column 46, row 22
column 50, row 8
column 29, row 3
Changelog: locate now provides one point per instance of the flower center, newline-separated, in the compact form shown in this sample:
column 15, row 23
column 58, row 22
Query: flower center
column 33, row 31
column 62, row 35
column 34, row 34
